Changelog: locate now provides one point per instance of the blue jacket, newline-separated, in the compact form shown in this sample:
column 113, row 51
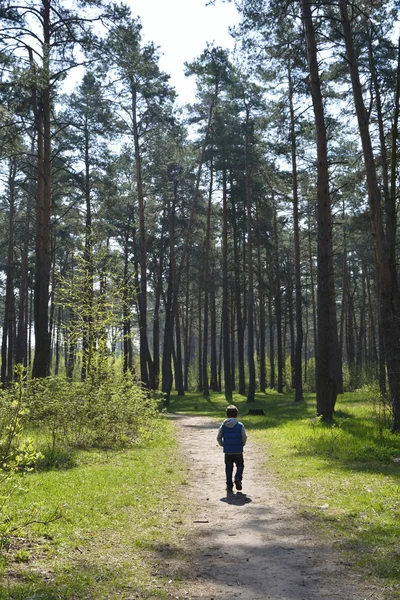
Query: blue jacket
column 232, row 436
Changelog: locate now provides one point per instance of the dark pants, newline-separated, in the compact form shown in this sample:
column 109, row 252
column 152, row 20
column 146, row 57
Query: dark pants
column 230, row 460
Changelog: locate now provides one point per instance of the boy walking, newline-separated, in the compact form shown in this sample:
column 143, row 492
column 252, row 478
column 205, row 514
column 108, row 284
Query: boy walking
column 232, row 437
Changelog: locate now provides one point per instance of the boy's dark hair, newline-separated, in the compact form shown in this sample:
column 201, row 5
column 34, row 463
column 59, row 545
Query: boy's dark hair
column 231, row 411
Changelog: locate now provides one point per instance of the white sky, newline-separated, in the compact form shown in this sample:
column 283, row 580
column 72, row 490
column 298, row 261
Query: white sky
column 182, row 28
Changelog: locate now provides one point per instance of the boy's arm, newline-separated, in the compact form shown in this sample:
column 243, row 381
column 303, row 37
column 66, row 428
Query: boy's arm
column 220, row 436
column 244, row 435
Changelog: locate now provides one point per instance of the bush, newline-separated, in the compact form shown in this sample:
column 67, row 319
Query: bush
column 16, row 454
column 80, row 414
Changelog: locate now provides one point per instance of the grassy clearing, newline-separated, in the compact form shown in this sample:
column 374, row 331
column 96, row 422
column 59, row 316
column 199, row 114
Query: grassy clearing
column 119, row 533
column 344, row 478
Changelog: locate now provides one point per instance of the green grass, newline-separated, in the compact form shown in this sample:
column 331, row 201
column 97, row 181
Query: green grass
column 122, row 517
column 341, row 478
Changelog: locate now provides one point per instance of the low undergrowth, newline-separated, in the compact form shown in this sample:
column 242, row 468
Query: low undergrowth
column 90, row 491
column 343, row 477
column 118, row 535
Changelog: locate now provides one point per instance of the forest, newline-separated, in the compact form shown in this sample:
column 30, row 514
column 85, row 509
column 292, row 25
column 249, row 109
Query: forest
column 245, row 242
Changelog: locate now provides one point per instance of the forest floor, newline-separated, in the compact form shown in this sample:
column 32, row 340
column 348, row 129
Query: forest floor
column 252, row 545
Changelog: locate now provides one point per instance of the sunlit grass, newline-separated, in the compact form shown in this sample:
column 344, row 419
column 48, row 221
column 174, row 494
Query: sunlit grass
column 120, row 528
column 342, row 478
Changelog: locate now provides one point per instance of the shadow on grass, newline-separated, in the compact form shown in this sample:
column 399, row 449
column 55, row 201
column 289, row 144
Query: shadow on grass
column 82, row 580
column 373, row 545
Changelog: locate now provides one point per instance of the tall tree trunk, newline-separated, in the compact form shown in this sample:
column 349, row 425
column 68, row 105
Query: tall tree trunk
column 361, row 346
column 7, row 345
column 146, row 363
column 233, row 353
column 312, row 286
column 213, row 343
column 225, row 294
column 343, row 316
column 57, row 344
column 156, row 326
column 374, row 362
column 166, row 368
column 250, row 274
column 21, row 350
column 200, row 342
column 87, row 337
column 384, row 248
column 206, row 389
column 350, row 338
column 52, row 295
column 278, row 308
column 42, row 113
column 271, row 325
column 298, row 376
column 261, row 300
column 187, row 332
column 126, row 309
column 289, row 296
column 179, row 383
column 238, row 297
column 327, row 351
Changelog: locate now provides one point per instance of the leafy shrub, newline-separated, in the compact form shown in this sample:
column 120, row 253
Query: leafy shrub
column 381, row 407
column 80, row 414
column 16, row 454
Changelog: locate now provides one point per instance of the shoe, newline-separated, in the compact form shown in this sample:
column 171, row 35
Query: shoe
column 238, row 484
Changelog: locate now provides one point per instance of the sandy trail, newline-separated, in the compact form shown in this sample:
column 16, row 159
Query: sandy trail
column 249, row 544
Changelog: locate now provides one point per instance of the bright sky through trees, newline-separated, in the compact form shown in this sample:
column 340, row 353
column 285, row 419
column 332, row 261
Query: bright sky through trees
column 181, row 28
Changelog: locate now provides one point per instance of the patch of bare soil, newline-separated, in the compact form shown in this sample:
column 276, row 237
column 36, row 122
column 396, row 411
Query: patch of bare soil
column 250, row 544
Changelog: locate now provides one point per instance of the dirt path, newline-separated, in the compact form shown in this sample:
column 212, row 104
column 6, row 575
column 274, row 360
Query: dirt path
column 250, row 545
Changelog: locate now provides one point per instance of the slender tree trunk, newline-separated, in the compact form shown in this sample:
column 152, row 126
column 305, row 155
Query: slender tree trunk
column 206, row 389
column 146, row 363
column 312, row 286
column 168, row 336
column 21, row 350
column 298, row 376
column 344, row 286
column 291, row 329
column 179, row 383
column 200, row 342
column 233, row 353
column 361, row 347
column 250, row 274
column 57, row 344
column 238, row 299
column 7, row 346
column 271, row 326
column 187, row 333
column 278, row 308
column 87, row 336
column 213, row 343
column 52, row 294
column 384, row 248
column 327, row 352
column 42, row 112
column 221, row 350
column 225, row 294
column 156, row 327
column 261, row 300
column 373, row 337
column 126, row 312
column 350, row 339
